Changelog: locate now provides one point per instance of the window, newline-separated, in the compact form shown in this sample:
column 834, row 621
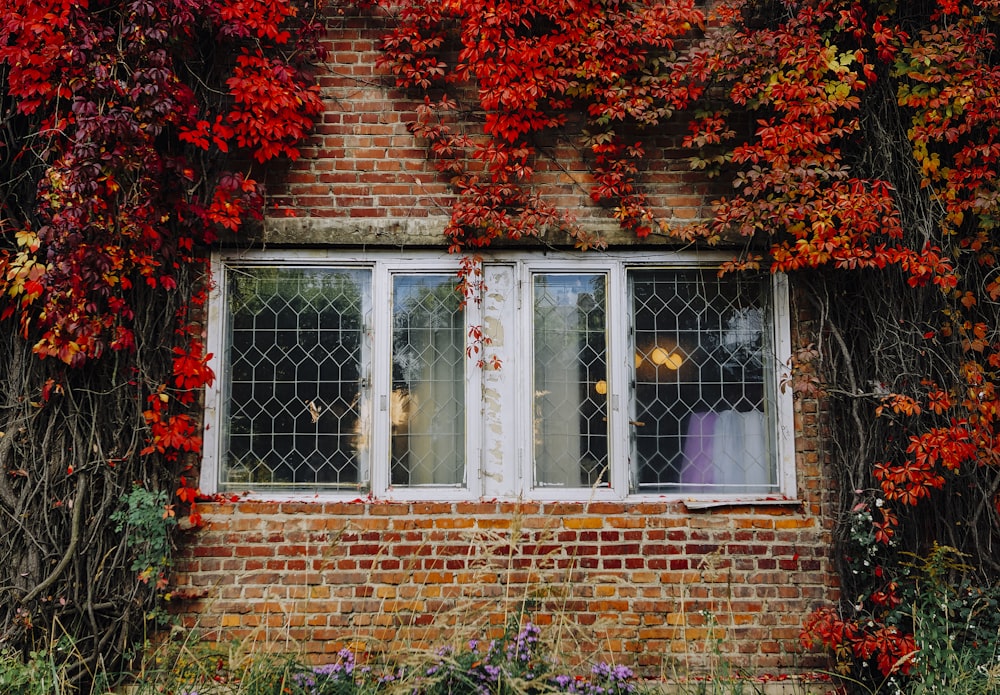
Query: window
column 701, row 403
column 620, row 376
column 569, row 322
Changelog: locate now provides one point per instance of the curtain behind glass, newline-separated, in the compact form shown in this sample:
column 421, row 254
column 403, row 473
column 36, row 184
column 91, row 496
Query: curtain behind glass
column 702, row 407
column 427, row 402
column 570, row 380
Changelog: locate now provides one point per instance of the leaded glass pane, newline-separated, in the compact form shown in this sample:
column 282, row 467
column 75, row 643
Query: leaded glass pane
column 427, row 402
column 294, row 355
column 570, row 380
column 702, row 415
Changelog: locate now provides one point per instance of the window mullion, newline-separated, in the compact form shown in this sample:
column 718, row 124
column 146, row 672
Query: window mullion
column 214, row 434
column 784, row 445
column 475, row 393
column 380, row 379
column 619, row 326
column 524, row 385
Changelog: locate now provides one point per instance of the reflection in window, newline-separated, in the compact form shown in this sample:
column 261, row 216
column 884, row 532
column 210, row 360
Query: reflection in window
column 701, row 412
column 294, row 354
column 427, row 401
column 570, row 380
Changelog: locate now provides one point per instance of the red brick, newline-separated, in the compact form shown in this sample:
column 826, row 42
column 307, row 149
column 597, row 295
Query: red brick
column 635, row 574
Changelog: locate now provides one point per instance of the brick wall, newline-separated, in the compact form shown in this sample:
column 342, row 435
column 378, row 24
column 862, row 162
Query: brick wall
column 648, row 584
column 362, row 164
column 656, row 585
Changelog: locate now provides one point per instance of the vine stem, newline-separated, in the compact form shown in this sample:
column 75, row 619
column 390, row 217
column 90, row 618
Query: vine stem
column 74, row 540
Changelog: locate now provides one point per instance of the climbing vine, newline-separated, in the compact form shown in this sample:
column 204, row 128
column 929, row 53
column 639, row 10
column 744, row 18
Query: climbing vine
column 872, row 173
column 861, row 143
column 860, row 140
column 130, row 133
column 533, row 67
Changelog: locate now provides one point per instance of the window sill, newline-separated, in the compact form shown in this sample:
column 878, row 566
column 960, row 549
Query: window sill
column 691, row 503
column 695, row 504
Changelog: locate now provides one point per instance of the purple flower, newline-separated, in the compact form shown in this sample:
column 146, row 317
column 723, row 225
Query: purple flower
column 304, row 680
column 622, row 673
column 563, row 681
column 344, row 666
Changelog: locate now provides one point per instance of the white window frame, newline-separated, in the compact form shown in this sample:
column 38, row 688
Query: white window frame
column 499, row 410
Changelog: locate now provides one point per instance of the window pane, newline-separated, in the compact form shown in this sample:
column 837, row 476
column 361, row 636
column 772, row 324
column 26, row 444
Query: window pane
column 427, row 403
column 570, row 380
column 701, row 412
column 294, row 354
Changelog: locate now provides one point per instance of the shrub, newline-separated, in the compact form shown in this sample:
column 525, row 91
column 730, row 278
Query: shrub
column 928, row 627
column 35, row 676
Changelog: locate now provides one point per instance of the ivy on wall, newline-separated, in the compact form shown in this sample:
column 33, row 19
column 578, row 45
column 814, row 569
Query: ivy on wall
column 861, row 140
column 131, row 131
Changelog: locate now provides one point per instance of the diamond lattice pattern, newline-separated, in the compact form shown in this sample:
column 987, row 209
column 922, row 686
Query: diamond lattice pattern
column 699, row 412
column 296, row 346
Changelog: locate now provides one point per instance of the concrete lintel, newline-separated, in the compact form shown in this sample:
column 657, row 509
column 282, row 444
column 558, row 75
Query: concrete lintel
column 415, row 232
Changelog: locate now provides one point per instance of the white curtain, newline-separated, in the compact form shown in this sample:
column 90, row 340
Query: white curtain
column 427, row 403
column 557, row 412
column 725, row 452
column 436, row 416
column 569, row 340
